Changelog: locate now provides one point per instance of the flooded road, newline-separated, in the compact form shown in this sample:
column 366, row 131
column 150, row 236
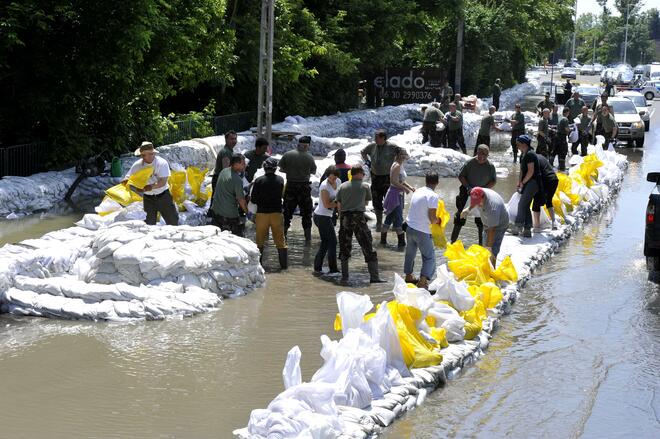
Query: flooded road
column 577, row 357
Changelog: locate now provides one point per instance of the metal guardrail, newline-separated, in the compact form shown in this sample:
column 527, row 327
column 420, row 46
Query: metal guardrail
column 236, row 121
column 22, row 160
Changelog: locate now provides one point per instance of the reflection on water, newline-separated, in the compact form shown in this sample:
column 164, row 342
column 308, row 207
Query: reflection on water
column 577, row 356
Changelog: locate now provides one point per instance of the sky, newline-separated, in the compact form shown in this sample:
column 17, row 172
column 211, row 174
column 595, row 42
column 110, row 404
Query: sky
column 585, row 6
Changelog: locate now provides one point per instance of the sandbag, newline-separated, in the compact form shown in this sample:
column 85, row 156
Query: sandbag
column 512, row 207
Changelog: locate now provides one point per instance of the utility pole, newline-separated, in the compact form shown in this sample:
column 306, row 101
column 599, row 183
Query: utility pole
column 594, row 60
column 265, row 95
column 574, row 31
column 459, row 49
column 625, row 42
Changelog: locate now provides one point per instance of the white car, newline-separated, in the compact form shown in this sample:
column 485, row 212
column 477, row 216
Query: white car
column 628, row 121
column 568, row 72
column 640, row 104
column 598, row 69
column 587, row 69
column 650, row 90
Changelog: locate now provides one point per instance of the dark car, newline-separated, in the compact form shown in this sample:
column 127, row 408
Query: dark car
column 652, row 231
column 589, row 93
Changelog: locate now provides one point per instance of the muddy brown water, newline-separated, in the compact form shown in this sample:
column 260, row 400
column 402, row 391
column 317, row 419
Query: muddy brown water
column 578, row 357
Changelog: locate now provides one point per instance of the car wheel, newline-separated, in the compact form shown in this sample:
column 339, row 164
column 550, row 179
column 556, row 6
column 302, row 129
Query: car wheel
column 647, row 125
column 639, row 143
column 653, row 263
column 649, row 96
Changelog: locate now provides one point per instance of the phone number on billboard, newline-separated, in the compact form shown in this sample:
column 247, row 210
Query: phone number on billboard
column 407, row 95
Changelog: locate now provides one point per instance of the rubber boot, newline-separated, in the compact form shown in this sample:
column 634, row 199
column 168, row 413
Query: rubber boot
column 383, row 237
column 379, row 220
column 401, row 238
column 308, row 236
column 261, row 255
column 423, row 282
column 344, row 270
column 527, row 232
column 373, row 272
column 283, row 255
column 410, row 279
column 562, row 165
column 455, row 231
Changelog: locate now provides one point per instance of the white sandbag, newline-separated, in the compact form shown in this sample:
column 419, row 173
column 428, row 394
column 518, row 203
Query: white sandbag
column 291, row 373
column 512, row 207
column 448, row 288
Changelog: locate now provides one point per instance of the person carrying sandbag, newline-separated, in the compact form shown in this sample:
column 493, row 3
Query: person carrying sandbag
column 528, row 187
column 478, row 171
column 156, row 197
column 422, row 213
column 494, row 215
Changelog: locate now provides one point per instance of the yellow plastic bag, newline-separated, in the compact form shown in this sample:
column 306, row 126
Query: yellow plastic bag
column 488, row 293
column 474, row 320
column 177, row 182
column 438, row 230
column 472, row 266
column 506, row 271
column 122, row 194
column 141, row 177
column 588, row 169
column 195, row 180
column 417, row 351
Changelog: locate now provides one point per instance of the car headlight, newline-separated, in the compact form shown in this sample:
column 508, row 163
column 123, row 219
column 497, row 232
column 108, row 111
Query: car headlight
column 637, row 125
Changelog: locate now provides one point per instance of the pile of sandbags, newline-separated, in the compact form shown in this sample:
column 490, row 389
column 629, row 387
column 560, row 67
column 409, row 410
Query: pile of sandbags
column 126, row 270
column 511, row 96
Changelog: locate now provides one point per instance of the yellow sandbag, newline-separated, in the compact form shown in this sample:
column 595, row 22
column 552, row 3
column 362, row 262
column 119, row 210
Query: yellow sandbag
column 417, row 350
column 177, row 182
column 474, row 320
column 195, row 180
column 141, row 177
column 438, row 230
column 565, row 185
column 122, row 194
column 506, row 271
column 472, row 266
column 488, row 293
column 588, row 169
column 440, row 334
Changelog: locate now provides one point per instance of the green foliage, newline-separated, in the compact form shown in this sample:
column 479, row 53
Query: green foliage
column 87, row 75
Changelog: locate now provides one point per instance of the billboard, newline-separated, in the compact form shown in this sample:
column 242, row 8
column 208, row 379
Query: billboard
column 407, row 86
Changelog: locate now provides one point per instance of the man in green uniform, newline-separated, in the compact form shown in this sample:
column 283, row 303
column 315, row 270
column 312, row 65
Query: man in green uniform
column 431, row 117
column 458, row 102
column 560, row 149
column 575, row 105
column 583, row 132
column 607, row 125
column 545, row 103
column 379, row 156
column 517, row 129
column 477, row 172
column 543, row 133
column 497, row 92
column 352, row 198
column 598, row 114
column 256, row 157
column 298, row 164
column 487, row 124
column 454, row 122
column 224, row 155
column 228, row 197
column 446, row 93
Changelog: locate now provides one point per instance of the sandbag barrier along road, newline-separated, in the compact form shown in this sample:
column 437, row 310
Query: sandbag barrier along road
column 382, row 366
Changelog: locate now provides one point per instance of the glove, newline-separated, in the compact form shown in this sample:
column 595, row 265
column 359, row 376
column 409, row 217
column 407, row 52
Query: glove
column 465, row 213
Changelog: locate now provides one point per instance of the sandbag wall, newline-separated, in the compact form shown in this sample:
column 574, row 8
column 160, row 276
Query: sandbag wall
column 389, row 360
column 126, row 271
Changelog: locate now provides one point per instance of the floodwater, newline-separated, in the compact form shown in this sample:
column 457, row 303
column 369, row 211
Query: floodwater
column 578, row 356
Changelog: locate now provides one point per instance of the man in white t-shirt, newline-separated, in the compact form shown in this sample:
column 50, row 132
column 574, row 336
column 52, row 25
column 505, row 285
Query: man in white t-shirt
column 421, row 215
column 156, row 196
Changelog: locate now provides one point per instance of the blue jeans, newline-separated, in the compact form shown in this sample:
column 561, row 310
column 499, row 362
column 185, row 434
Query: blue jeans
column 328, row 243
column 423, row 241
column 497, row 240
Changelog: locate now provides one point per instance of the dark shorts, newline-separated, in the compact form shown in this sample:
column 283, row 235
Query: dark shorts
column 379, row 186
column 163, row 204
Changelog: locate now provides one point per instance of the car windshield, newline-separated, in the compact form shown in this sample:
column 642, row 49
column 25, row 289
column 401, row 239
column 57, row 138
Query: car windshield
column 639, row 101
column 588, row 90
column 623, row 107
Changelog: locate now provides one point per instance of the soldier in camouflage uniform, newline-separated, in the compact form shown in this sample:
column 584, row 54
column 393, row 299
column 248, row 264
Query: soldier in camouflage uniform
column 352, row 198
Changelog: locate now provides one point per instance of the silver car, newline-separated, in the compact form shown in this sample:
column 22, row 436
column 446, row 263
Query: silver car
column 628, row 121
column 640, row 104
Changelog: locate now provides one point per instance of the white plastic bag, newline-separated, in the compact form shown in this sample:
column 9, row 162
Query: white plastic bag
column 291, row 373
column 352, row 308
column 512, row 207
column 573, row 135
column 448, row 288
